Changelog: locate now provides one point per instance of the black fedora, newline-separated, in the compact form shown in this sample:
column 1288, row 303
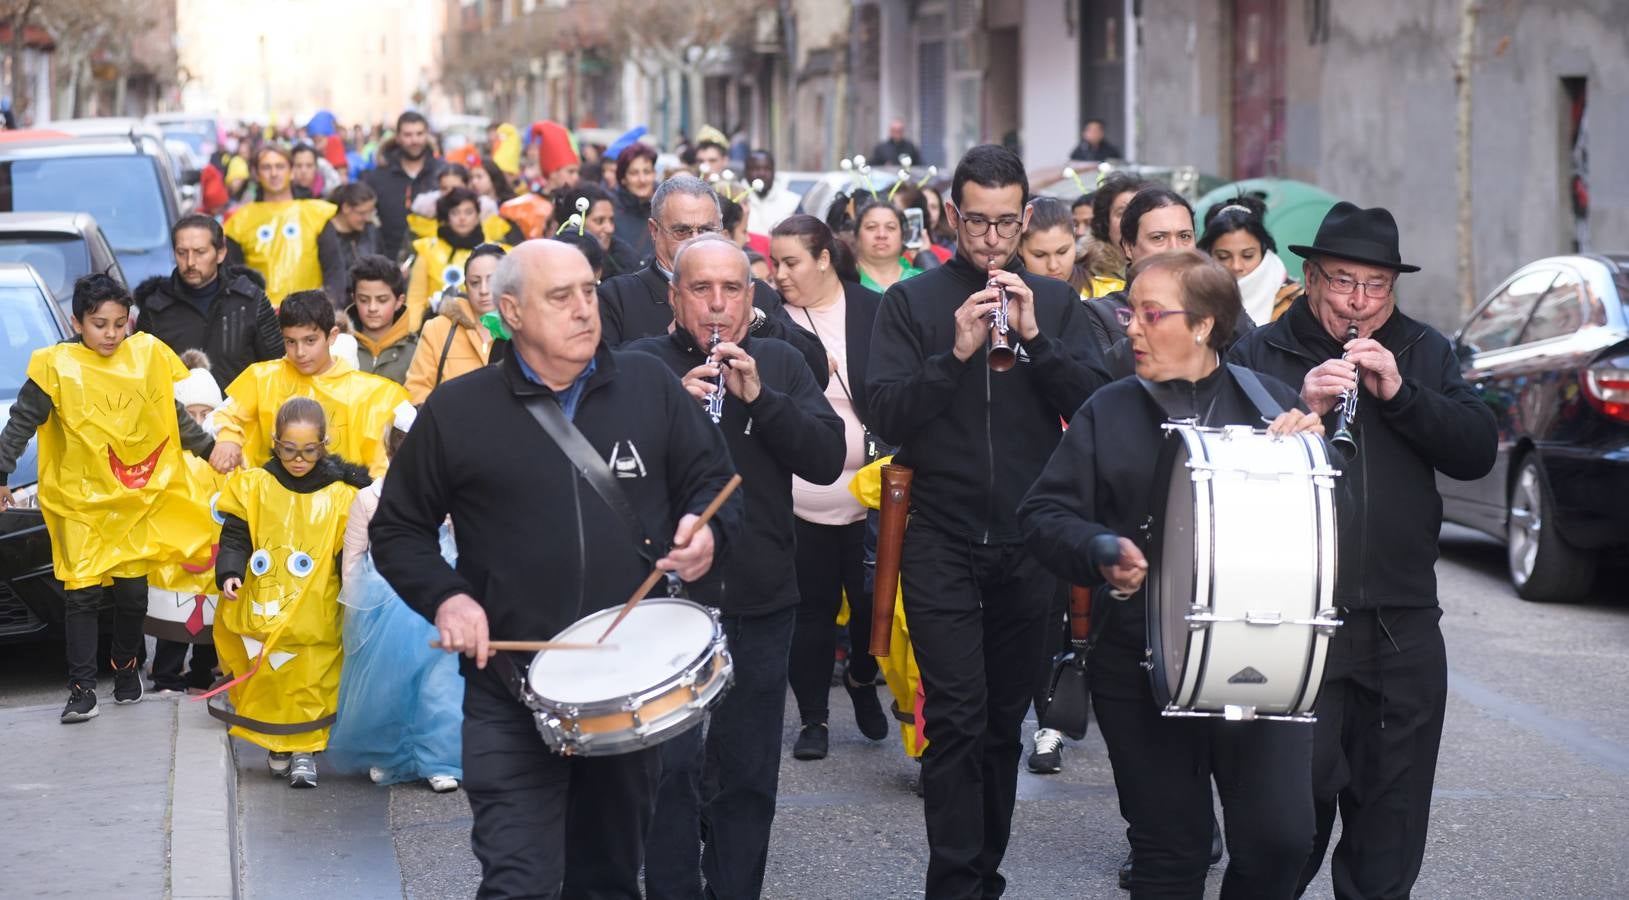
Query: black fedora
column 1360, row 235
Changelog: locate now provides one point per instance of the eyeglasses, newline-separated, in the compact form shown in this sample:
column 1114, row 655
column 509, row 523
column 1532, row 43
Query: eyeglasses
column 287, row 452
column 1006, row 226
column 686, row 232
column 1343, row 284
column 1149, row 317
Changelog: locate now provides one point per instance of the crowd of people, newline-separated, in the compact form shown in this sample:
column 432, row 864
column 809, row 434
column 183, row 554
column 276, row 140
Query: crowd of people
column 214, row 450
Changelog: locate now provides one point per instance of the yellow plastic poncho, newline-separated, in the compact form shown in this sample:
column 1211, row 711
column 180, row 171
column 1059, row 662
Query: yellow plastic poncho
column 436, row 266
column 493, row 228
column 287, row 617
column 110, row 460
column 899, row 666
column 506, row 149
column 181, row 592
column 359, row 405
column 279, row 240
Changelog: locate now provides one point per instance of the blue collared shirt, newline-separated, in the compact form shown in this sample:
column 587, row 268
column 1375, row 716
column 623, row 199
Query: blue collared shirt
column 571, row 396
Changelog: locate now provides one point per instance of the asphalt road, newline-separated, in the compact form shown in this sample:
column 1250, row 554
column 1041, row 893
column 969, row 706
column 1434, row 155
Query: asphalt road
column 1532, row 796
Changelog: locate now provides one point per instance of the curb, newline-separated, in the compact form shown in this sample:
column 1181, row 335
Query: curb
column 203, row 810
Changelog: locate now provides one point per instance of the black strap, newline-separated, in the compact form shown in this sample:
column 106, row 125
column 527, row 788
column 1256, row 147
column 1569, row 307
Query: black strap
column 275, row 728
column 546, row 410
column 446, row 348
column 1256, row 391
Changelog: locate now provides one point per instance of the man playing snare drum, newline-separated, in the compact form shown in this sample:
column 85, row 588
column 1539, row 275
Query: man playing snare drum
column 537, row 550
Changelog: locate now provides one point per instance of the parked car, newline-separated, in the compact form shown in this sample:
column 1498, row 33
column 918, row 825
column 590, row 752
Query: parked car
column 30, row 596
column 200, row 131
column 151, row 138
column 1548, row 351
column 125, row 182
column 61, row 246
column 818, row 189
column 1185, row 180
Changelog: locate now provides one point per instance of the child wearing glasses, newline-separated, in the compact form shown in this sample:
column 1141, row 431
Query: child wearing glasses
column 277, row 628
column 358, row 405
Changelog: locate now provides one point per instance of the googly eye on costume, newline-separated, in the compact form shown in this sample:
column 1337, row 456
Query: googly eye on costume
column 264, row 233
column 452, row 276
column 260, row 563
column 300, row 564
column 291, row 230
column 214, row 509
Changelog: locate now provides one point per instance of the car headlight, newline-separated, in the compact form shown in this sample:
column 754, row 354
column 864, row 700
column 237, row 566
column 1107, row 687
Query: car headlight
column 26, row 497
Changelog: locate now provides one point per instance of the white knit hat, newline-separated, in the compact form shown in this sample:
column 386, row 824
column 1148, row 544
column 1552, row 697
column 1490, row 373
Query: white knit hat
column 198, row 389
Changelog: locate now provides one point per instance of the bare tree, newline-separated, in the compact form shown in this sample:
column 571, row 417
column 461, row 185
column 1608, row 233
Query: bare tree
column 20, row 14
column 87, row 30
column 1462, row 85
column 685, row 38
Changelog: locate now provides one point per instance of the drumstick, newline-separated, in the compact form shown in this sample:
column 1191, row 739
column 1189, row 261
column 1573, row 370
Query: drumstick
column 655, row 574
column 538, row 645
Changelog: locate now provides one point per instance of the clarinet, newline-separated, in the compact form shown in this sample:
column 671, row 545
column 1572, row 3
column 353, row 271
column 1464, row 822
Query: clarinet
column 1001, row 355
column 715, row 400
column 1343, row 441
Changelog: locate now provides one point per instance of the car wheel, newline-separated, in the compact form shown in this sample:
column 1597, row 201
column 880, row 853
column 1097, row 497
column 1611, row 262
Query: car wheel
column 1543, row 567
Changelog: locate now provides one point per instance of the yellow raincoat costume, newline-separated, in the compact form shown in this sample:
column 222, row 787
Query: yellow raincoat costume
column 899, row 667
column 437, row 265
column 281, row 638
column 110, row 460
column 181, row 593
column 358, row 405
column 279, row 240
column 493, row 228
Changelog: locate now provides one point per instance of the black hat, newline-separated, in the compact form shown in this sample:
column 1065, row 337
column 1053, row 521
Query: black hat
column 1360, row 235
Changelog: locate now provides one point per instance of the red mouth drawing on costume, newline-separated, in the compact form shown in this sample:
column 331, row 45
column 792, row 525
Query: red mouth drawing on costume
column 135, row 477
column 201, row 568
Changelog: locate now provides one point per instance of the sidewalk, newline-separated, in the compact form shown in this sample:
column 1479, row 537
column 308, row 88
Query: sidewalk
column 92, row 809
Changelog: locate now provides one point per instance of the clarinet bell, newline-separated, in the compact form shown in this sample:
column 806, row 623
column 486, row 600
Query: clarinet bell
column 1343, row 443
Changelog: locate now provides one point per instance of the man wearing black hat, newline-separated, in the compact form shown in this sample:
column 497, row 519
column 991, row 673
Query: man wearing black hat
column 1385, row 684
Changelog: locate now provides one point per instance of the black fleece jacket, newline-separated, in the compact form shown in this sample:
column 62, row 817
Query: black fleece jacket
column 239, row 329
column 537, row 548
column 237, row 544
column 975, row 438
column 790, row 429
column 635, row 306
column 396, row 190
column 1435, row 423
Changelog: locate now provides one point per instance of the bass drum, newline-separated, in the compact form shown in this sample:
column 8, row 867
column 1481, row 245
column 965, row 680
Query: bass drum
column 1241, row 573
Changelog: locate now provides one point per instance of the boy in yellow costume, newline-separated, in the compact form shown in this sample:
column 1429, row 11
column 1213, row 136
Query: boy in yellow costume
column 358, row 405
column 278, row 628
column 277, row 234
column 110, row 442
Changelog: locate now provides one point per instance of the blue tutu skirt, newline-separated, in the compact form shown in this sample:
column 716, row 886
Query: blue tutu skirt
column 400, row 701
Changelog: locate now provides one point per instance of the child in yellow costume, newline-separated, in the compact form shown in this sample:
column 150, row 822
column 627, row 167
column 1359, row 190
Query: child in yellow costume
column 358, row 405
column 438, row 260
column 277, row 234
column 421, row 216
column 111, row 437
column 898, row 667
column 279, row 626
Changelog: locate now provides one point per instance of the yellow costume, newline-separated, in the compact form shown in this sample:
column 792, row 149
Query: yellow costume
column 493, row 228
column 281, row 638
column 181, row 593
column 437, row 265
column 358, row 405
column 110, row 460
column 279, row 240
column 899, row 667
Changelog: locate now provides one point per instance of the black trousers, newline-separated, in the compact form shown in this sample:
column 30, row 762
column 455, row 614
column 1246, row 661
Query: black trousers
column 81, row 626
column 1375, row 749
column 1162, row 772
column 830, row 561
column 976, row 614
column 169, row 658
column 1054, row 637
column 716, row 800
column 549, row 826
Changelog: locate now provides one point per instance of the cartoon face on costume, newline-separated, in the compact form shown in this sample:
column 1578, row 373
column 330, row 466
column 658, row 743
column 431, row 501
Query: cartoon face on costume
column 129, row 420
column 277, row 576
column 265, row 233
column 452, row 276
column 291, row 230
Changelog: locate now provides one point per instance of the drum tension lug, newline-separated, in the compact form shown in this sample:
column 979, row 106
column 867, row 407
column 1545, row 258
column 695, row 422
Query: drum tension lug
column 1234, row 713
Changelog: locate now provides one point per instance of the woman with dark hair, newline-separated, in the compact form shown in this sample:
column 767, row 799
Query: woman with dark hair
column 1236, row 237
column 1048, row 245
column 879, row 242
column 488, row 180
column 939, row 230
column 636, row 183
column 1109, row 204
column 1154, row 220
column 925, row 254
column 599, row 222
column 830, row 523
column 438, row 261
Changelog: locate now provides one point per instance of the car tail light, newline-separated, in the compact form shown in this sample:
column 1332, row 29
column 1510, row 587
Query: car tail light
column 1607, row 389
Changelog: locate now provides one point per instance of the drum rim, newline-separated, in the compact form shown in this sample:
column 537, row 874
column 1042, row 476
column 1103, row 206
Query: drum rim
column 1153, row 597
column 715, row 645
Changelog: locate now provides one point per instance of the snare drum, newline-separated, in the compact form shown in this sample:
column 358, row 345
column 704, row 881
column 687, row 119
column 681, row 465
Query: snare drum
column 1241, row 577
column 670, row 664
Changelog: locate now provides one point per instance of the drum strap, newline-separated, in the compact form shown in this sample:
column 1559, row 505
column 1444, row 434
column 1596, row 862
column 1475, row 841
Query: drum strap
column 1256, row 391
column 594, row 470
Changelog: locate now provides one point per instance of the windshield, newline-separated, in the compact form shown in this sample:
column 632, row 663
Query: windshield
column 58, row 258
column 25, row 326
column 199, row 135
column 122, row 192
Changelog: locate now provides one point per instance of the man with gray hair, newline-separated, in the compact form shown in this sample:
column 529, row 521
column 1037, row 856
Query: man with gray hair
column 777, row 423
column 635, row 305
column 537, row 550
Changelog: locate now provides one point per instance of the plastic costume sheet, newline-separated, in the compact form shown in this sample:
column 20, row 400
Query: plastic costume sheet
column 181, row 592
column 898, row 668
column 281, row 637
column 359, row 405
column 439, row 265
column 279, row 241
column 110, row 460
column 494, row 229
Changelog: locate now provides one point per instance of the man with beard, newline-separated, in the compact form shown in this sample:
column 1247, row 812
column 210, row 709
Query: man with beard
column 406, row 169
column 771, row 203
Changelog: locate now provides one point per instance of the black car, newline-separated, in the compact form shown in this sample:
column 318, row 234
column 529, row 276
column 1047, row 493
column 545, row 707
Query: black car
column 1549, row 353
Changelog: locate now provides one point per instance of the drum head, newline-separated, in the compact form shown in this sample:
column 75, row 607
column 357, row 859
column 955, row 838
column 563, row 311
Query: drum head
column 1171, row 573
column 658, row 641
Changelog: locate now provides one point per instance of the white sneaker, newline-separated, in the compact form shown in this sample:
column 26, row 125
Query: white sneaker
column 278, row 763
column 443, row 784
column 1047, row 757
column 376, row 775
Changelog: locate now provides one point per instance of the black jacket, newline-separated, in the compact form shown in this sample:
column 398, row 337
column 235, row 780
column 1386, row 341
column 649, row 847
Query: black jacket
column 237, row 544
column 396, row 190
column 859, row 318
column 622, row 258
column 630, row 215
column 888, row 153
column 1388, row 535
column 240, row 329
column 338, row 252
column 1085, row 152
column 789, row 430
column 635, row 306
column 975, row 438
column 536, row 545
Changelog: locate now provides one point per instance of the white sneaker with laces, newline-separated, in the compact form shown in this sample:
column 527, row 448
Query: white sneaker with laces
column 443, row 784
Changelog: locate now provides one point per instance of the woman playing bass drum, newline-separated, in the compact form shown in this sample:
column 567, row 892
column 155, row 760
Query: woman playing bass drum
column 1102, row 481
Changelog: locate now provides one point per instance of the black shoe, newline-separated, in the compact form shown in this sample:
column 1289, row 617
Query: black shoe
column 127, row 682
column 916, row 779
column 868, row 712
column 1216, row 844
column 812, row 742
column 81, row 705
column 1125, row 873
column 1047, row 757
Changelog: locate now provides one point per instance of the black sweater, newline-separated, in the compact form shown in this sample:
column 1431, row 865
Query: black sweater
column 975, row 438
column 789, row 430
column 239, row 329
column 237, row 544
column 1435, row 423
column 537, row 548
column 635, row 306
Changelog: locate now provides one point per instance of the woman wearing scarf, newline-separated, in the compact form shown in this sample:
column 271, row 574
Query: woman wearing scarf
column 1236, row 237
column 438, row 261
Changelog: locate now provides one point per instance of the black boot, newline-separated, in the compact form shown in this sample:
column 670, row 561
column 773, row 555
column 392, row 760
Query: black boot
column 1125, row 872
column 812, row 742
column 868, row 714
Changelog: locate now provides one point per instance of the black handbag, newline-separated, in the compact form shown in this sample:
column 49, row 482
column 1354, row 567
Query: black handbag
column 1068, row 693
